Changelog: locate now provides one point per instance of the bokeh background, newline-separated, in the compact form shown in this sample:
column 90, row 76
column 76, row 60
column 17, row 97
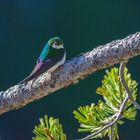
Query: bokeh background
column 26, row 25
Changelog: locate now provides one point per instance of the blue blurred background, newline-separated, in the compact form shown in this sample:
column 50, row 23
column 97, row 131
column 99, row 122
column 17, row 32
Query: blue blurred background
column 26, row 25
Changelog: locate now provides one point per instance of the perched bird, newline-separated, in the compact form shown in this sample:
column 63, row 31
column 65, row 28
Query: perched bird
column 52, row 56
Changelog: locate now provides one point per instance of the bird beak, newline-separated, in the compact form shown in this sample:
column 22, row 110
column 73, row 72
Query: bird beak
column 61, row 46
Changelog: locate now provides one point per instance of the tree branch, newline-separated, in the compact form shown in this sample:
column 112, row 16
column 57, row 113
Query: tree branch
column 77, row 68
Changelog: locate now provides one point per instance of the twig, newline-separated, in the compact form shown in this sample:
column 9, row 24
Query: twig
column 122, row 107
column 125, row 86
column 71, row 72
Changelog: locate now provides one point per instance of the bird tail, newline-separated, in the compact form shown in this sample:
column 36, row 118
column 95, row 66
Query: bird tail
column 27, row 79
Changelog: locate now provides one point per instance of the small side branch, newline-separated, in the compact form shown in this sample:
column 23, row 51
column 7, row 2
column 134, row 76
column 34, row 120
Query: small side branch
column 71, row 72
column 126, row 88
column 118, row 115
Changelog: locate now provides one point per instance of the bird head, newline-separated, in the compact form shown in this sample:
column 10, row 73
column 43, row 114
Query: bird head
column 56, row 43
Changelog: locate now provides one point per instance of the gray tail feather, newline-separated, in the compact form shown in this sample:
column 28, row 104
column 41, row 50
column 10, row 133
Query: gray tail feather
column 29, row 78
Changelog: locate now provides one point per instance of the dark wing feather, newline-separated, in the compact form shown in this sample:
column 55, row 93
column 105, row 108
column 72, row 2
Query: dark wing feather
column 42, row 67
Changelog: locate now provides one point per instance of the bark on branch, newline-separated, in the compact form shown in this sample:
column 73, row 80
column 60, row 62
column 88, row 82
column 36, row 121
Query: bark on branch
column 71, row 72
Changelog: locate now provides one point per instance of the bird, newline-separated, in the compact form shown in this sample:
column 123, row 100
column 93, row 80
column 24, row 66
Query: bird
column 52, row 56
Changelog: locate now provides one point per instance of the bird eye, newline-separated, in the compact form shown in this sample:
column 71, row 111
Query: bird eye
column 56, row 43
